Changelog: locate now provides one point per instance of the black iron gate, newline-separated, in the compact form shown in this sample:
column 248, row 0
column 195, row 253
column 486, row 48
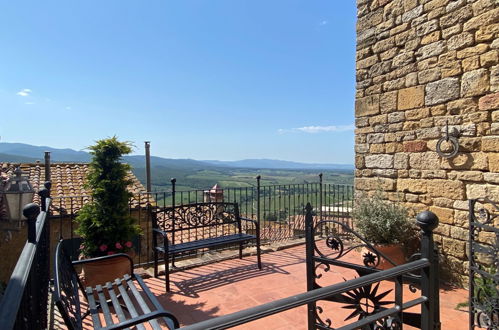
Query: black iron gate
column 483, row 257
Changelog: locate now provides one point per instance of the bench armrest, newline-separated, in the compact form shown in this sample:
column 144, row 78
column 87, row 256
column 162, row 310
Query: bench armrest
column 159, row 231
column 250, row 220
column 144, row 318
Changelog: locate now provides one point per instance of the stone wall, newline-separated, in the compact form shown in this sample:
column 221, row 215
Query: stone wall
column 420, row 65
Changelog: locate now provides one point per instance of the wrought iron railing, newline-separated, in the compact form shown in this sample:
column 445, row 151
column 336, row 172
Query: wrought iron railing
column 483, row 257
column 359, row 293
column 24, row 303
column 278, row 208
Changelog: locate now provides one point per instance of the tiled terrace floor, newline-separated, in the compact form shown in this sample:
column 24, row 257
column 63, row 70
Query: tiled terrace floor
column 221, row 288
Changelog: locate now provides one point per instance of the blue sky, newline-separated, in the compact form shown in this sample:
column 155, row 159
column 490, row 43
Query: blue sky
column 212, row 79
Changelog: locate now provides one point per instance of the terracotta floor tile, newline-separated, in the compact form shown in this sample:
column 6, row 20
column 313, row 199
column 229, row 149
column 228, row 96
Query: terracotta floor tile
column 218, row 289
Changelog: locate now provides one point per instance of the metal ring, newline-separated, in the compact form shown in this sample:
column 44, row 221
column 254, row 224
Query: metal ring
column 455, row 146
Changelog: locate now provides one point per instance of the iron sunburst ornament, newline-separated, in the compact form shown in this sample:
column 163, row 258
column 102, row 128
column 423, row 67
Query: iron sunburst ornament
column 365, row 301
column 369, row 259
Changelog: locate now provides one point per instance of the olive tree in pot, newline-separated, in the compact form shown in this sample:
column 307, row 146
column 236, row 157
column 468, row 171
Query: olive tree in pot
column 385, row 225
column 104, row 224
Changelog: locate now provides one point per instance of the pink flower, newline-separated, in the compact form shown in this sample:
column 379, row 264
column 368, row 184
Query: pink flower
column 128, row 244
column 110, row 253
column 82, row 247
column 118, row 246
column 103, row 247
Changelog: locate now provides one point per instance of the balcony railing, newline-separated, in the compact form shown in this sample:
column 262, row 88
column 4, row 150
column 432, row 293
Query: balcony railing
column 280, row 209
column 24, row 303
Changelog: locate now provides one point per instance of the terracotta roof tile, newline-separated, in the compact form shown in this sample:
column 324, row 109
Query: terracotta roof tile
column 68, row 190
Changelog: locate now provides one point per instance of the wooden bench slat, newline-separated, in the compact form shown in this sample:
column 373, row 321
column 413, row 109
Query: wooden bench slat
column 116, row 303
column 141, row 301
column 93, row 307
column 103, row 305
column 128, row 302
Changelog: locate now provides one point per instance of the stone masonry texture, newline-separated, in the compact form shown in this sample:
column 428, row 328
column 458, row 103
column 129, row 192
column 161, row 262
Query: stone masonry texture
column 423, row 65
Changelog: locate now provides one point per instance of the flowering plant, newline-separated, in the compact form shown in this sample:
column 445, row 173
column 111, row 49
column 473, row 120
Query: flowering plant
column 104, row 224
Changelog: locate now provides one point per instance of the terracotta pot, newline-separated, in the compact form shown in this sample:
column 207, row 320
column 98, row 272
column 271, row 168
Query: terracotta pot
column 393, row 251
column 100, row 272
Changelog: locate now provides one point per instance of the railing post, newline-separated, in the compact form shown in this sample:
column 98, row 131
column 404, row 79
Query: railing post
column 309, row 251
column 148, row 166
column 258, row 199
column 430, row 310
column 31, row 211
column 320, row 196
column 173, row 181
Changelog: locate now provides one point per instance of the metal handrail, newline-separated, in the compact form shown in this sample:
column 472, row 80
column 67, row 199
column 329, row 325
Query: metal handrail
column 20, row 278
column 281, row 305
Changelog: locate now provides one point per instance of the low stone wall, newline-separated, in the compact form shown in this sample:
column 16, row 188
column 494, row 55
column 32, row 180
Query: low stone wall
column 421, row 65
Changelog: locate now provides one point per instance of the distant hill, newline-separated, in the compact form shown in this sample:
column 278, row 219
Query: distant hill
column 279, row 164
column 20, row 152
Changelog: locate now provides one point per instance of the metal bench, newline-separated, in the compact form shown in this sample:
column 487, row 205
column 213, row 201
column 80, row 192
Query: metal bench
column 197, row 226
column 122, row 297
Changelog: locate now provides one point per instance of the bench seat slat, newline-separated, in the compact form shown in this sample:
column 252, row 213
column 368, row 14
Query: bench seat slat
column 104, row 306
column 208, row 242
column 141, row 301
column 93, row 307
column 128, row 302
column 116, row 303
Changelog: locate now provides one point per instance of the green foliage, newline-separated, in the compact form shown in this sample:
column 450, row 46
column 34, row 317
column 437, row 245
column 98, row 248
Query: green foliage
column 105, row 224
column 382, row 222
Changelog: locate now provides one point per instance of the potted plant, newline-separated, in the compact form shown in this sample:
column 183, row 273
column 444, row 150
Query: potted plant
column 385, row 225
column 104, row 224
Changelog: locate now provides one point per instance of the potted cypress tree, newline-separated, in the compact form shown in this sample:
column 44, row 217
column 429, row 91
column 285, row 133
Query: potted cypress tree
column 385, row 225
column 104, row 224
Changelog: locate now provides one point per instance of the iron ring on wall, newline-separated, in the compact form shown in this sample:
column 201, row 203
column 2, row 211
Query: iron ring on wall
column 455, row 146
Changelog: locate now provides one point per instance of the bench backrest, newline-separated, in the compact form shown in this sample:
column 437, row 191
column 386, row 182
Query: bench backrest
column 189, row 222
column 66, row 286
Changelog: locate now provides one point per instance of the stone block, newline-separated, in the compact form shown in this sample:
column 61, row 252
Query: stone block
column 460, row 41
column 472, row 51
column 494, row 78
column 489, row 102
column 427, row 27
column 379, row 161
column 445, row 215
column 489, row 17
column 372, row 184
column 471, row 63
column 412, row 14
column 475, row 190
column 417, row 114
column 375, row 138
column 442, row 91
column 396, row 117
column 411, row 185
column 466, row 175
column 456, row 17
column 446, row 188
column 429, row 132
column 401, row 161
column 450, row 31
column 424, row 160
column 490, row 143
column 411, row 79
column 465, row 105
column 475, row 83
column 377, row 148
column 414, row 174
column 467, row 161
column 429, row 75
column 403, row 59
column 494, row 162
column 489, row 58
column 433, row 174
column 367, row 106
column 362, row 148
column 412, row 97
column 433, row 49
column 367, row 62
column 385, row 173
column 430, row 38
column 487, row 33
column 491, row 178
column 415, row 146
column 459, row 233
column 388, row 102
